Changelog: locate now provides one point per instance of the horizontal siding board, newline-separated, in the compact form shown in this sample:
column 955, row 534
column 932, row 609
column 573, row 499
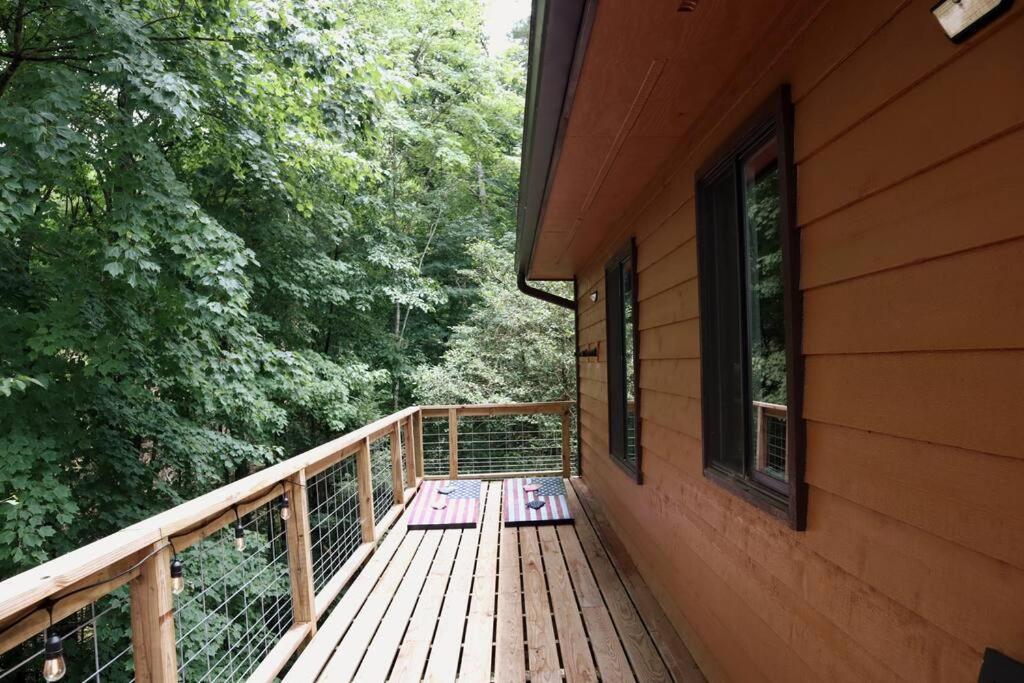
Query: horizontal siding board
column 966, row 399
column 979, row 95
column 922, row 572
column 969, row 202
column 675, row 340
column 676, row 304
column 889, row 62
column 969, row 300
column 677, row 266
column 969, row 498
column 679, row 377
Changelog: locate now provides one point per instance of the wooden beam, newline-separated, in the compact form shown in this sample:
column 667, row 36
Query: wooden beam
column 365, row 483
column 300, row 558
column 152, row 618
column 278, row 657
column 397, row 485
column 453, row 443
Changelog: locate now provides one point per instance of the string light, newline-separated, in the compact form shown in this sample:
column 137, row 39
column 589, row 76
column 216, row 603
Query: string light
column 177, row 576
column 283, row 505
column 54, row 667
column 239, row 533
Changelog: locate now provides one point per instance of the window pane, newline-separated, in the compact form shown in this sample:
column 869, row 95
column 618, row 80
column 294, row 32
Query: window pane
column 764, row 307
column 629, row 360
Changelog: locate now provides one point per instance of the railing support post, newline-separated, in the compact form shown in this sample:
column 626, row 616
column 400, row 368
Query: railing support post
column 152, row 617
column 300, row 557
column 453, row 443
column 566, row 448
column 418, row 423
column 397, row 483
column 365, row 492
column 411, row 446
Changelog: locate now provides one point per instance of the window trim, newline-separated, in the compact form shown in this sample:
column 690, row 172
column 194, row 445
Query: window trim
column 626, row 253
column 774, row 116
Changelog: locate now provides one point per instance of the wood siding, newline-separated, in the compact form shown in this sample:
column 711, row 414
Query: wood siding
column 911, row 207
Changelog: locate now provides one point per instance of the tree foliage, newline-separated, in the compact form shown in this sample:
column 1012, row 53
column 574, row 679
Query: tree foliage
column 230, row 229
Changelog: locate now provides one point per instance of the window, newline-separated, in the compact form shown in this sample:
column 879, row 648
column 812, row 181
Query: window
column 623, row 363
column 751, row 374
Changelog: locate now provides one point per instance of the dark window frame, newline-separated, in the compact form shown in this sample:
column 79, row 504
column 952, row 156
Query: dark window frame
column 773, row 118
column 618, row 397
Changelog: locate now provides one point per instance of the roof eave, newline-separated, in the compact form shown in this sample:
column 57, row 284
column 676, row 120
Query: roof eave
column 558, row 34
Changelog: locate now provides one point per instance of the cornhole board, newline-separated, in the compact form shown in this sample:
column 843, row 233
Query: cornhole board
column 517, row 495
column 442, row 504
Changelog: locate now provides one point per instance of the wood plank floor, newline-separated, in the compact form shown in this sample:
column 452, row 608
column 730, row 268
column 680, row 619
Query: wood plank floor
column 495, row 603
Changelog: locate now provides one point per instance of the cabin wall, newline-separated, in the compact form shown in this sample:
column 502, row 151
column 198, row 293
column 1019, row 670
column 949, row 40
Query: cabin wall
column 911, row 209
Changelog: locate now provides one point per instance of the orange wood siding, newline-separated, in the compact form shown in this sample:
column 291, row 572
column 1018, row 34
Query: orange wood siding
column 910, row 155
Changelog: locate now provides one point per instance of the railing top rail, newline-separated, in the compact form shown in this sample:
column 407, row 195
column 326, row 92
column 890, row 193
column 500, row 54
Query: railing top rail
column 31, row 587
column 476, row 409
column 770, row 406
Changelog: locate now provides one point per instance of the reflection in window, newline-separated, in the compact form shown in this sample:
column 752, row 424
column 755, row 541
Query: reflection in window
column 766, row 335
column 629, row 361
column 623, row 392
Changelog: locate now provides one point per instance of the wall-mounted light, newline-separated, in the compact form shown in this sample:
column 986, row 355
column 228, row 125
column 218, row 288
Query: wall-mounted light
column 593, row 295
column 961, row 19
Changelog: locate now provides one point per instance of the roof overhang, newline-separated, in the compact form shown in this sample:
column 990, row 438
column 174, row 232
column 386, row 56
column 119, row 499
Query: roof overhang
column 558, row 35
column 619, row 92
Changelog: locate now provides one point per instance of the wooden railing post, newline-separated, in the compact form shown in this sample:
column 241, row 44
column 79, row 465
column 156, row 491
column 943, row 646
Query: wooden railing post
column 453, row 443
column 418, row 423
column 566, row 448
column 410, row 451
column 397, row 483
column 365, row 492
column 152, row 618
column 300, row 556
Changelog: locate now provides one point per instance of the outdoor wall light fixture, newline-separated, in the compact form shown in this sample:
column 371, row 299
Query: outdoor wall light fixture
column 961, row 19
column 593, row 295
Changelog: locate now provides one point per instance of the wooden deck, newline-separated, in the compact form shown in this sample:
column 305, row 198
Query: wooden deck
column 494, row 603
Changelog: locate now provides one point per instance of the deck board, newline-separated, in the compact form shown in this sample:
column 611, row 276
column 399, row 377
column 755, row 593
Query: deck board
column 493, row 603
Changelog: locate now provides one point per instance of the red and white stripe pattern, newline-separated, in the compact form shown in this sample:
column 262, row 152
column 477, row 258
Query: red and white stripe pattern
column 551, row 491
column 461, row 510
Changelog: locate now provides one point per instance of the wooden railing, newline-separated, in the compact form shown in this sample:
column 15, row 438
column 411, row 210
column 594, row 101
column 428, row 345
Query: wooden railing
column 534, row 437
column 330, row 498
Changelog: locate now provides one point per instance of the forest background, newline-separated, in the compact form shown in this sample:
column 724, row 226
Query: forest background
column 232, row 229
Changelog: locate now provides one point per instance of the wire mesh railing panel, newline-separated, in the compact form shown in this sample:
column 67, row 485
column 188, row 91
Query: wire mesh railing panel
column 513, row 443
column 775, row 446
column 380, row 475
column 237, row 604
column 97, row 645
column 435, row 446
column 335, row 530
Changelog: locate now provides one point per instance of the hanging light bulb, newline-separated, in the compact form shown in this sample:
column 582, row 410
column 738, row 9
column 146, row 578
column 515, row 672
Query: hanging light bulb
column 54, row 667
column 239, row 537
column 177, row 576
column 283, row 507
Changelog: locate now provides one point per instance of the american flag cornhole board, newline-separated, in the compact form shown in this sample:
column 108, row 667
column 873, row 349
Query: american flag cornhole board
column 545, row 505
column 441, row 504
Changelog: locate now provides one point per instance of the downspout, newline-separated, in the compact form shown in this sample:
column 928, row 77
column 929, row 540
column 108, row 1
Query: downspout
column 529, row 290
